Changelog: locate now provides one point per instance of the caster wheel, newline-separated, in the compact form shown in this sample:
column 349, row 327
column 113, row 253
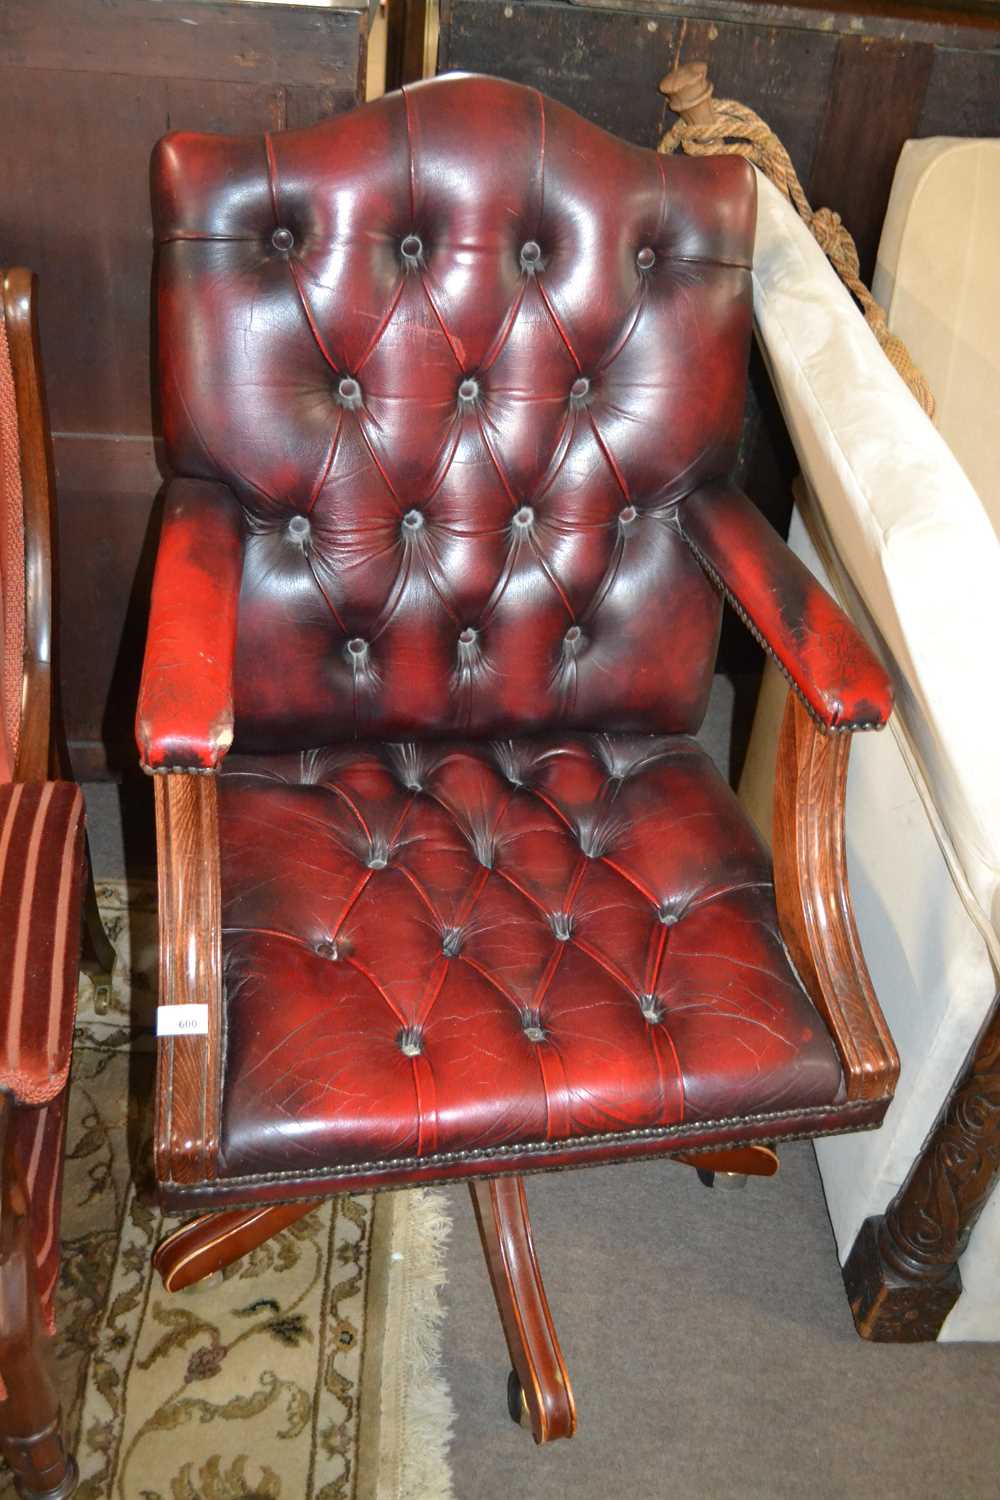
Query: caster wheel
column 517, row 1403
column 707, row 1179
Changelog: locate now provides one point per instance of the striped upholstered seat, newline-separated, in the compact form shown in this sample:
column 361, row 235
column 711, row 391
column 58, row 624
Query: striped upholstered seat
column 41, row 885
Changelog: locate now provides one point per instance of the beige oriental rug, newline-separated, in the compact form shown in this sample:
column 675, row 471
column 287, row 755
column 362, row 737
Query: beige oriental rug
column 308, row 1371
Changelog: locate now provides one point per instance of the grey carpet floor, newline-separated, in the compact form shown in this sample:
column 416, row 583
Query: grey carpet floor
column 707, row 1333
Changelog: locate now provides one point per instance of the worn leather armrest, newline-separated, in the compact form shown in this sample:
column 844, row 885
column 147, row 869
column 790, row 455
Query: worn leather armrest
column 184, row 720
column 837, row 676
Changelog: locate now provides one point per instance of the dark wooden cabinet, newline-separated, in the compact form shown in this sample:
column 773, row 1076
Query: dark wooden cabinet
column 86, row 88
column 843, row 86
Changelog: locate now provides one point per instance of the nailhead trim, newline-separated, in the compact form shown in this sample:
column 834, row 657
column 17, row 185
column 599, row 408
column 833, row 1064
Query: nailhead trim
column 179, row 770
column 203, row 1189
column 539, row 1148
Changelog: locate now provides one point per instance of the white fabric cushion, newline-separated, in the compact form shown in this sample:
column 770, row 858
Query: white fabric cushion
column 938, row 278
column 911, row 532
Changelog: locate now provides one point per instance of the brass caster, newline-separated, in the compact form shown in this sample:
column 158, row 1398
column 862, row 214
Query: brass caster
column 62, row 1491
column 730, row 1181
column 517, row 1402
column 727, row 1180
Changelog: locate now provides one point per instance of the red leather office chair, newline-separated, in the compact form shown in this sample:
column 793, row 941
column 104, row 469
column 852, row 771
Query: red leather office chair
column 452, row 386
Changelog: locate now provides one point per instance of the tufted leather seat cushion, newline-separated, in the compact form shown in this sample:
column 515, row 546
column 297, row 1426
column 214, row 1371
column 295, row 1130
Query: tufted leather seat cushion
column 482, row 947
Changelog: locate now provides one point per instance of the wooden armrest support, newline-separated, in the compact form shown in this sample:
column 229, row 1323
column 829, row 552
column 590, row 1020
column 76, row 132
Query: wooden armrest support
column 189, row 1068
column 19, row 311
column 814, row 902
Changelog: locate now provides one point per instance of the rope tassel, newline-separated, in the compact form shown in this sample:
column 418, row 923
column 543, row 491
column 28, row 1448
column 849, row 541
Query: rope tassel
column 725, row 127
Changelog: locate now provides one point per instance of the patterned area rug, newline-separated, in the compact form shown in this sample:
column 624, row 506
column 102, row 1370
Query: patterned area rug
column 307, row 1371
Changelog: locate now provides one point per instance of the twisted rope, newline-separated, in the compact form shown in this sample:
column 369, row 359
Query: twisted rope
column 738, row 131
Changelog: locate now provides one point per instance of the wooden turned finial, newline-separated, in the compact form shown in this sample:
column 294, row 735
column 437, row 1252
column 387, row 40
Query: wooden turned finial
column 689, row 92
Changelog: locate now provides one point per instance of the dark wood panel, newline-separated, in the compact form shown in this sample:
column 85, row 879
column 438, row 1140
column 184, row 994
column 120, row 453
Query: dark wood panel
column 874, row 105
column 174, row 39
column 107, row 526
column 86, row 89
column 963, row 94
column 76, row 209
column 608, row 64
column 968, row 24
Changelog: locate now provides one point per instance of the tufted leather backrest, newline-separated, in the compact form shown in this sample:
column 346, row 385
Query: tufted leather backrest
column 460, row 355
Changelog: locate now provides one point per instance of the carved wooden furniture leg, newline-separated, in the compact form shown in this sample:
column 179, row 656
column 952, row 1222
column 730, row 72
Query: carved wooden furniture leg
column 542, row 1396
column 902, row 1274
column 214, row 1241
column 30, row 1420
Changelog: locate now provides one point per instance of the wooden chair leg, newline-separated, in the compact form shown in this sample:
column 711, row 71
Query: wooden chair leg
column 202, row 1246
column 30, row 1420
column 542, row 1397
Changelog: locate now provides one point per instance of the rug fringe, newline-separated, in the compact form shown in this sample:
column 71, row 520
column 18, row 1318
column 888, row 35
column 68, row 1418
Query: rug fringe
column 428, row 1414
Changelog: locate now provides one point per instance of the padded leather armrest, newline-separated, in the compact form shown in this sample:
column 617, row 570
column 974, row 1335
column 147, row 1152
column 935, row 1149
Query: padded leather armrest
column 829, row 665
column 185, row 716
column 41, row 885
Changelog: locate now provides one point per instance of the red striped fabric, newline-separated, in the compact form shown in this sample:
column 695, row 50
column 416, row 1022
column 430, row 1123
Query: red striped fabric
column 41, row 884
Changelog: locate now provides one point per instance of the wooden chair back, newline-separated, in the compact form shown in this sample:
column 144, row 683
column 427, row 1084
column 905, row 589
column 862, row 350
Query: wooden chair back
column 26, row 539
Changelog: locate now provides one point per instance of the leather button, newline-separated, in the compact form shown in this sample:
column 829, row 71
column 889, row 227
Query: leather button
column 468, row 391
column 534, row 1032
column 645, row 259
column 412, row 248
column 531, row 255
column 579, row 390
column 349, row 392
column 668, row 917
column 413, row 520
column 572, row 635
column 562, row 925
column 468, row 636
column 651, row 1009
column 524, row 517
column 283, row 239
column 299, row 527
column 628, row 515
column 411, row 1042
column 451, row 942
column 327, row 950
column 356, row 646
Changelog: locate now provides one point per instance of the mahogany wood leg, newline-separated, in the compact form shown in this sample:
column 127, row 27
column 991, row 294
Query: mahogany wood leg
column 202, row 1246
column 902, row 1274
column 30, row 1420
column 505, row 1230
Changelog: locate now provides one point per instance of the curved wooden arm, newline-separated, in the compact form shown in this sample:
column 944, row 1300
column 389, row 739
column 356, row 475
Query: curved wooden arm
column 20, row 315
column 814, row 902
column 189, row 1068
